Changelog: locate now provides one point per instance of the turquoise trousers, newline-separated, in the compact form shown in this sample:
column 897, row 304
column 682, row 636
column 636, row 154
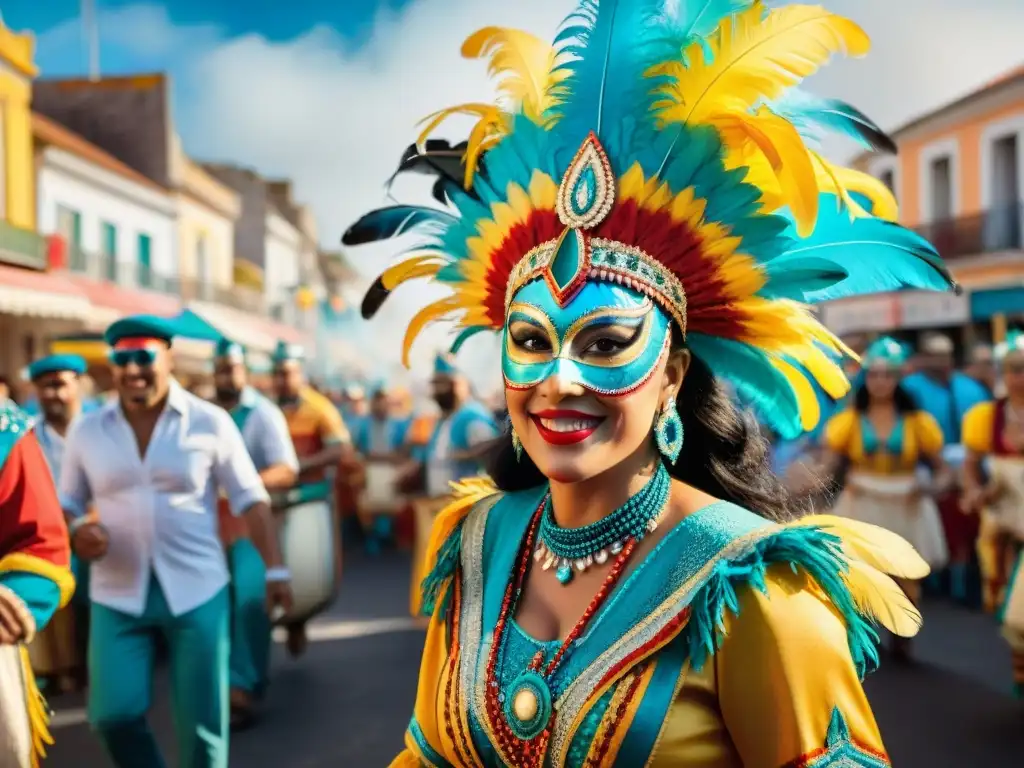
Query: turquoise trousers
column 121, row 654
column 250, row 625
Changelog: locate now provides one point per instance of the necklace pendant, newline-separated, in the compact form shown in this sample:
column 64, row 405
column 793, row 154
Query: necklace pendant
column 564, row 572
column 601, row 556
column 527, row 705
column 548, row 562
column 616, row 547
column 581, row 564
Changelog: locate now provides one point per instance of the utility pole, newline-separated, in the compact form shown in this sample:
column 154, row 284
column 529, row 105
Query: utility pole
column 91, row 28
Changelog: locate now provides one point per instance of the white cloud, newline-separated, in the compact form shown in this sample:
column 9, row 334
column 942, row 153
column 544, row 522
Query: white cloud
column 335, row 120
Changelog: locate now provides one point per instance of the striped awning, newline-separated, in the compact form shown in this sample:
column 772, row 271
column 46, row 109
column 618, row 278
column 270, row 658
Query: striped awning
column 40, row 294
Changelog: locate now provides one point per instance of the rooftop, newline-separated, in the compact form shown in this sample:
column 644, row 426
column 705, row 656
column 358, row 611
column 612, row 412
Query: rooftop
column 47, row 131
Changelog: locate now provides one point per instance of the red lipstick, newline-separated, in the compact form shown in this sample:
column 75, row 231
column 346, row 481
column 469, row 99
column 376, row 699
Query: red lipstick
column 559, row 437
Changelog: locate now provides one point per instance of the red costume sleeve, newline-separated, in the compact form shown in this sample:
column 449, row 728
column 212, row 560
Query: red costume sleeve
column 31, row 520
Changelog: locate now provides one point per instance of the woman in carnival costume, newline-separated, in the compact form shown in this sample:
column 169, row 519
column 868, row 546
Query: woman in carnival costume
column 993, row 435
column 883, row 438
column 642, row 219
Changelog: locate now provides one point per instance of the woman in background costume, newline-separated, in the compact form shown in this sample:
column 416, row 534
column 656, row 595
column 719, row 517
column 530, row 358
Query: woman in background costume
column 35, row 581
column 883, row 439
column 993, row 434
column 641, row 220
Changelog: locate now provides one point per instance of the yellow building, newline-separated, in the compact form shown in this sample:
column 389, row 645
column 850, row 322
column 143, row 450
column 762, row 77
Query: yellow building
column 17, row 194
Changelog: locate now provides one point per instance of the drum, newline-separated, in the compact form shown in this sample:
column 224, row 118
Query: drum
column 381, row 496
column 1013, row 609
column 15, row 725
column 308, row 534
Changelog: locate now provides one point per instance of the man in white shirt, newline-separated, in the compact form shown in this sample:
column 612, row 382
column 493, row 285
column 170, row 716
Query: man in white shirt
column 269, row 443
column 152, row 462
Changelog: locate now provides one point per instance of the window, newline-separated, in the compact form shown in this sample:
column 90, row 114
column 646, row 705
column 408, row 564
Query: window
column 69, row 226
column 144, row 263
column 108, row 242
column 942, row 188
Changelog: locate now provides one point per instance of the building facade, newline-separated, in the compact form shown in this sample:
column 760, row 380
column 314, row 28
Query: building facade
column 959, row 180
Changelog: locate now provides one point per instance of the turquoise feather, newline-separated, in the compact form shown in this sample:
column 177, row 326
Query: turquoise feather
column 876, row 255
column 757, row 382
column 811, row 115
column 811, row 550
column 692, row 22
column 603, row 41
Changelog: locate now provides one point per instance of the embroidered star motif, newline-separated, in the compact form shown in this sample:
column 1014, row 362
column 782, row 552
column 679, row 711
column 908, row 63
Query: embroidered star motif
column 841, row 751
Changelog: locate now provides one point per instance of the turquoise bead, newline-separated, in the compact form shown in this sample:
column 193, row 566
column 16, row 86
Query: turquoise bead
column 564, row 574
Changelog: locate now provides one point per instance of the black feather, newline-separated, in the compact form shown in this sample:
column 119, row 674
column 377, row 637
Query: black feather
column 374, row 299
column 392, row 221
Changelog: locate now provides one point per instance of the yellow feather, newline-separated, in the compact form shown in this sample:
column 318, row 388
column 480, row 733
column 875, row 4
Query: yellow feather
column 755, row 58
column 466, row 495
column 879, row 597
column 784, row 149
column 523, row 65
column 810, row 408
column 842, row 181
column 422, row 265
column 432, row 121
column 424, row 317
column 879, row 548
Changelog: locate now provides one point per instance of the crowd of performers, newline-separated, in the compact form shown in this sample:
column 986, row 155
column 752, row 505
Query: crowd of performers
column 192, row 527
column 935, row 455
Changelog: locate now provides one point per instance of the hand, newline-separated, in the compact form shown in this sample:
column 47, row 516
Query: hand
column 12, row 629
column 90, row 541
column 279, row 599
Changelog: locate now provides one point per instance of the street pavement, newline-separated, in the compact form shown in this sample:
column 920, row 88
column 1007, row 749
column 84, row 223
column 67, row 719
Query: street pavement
column 348, row 700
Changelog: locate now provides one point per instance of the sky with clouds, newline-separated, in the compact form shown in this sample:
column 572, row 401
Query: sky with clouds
column 328, row 93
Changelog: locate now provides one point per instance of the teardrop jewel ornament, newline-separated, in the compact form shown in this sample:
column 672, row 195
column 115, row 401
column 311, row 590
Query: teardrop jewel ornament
column 587, row 192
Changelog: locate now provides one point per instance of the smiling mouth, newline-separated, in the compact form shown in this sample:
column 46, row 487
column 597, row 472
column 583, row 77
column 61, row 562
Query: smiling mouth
column 566, row 427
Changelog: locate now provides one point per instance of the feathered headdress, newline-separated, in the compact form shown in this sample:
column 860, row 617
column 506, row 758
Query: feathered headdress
column 1013, row 344
column 887, row 351
column 669, row 151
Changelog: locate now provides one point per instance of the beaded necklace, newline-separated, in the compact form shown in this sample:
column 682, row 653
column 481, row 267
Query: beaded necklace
column 579, row 548
column 521, row 718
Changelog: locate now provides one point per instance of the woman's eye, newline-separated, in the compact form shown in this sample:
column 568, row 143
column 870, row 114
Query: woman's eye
column 607, row 346
column 534, row 344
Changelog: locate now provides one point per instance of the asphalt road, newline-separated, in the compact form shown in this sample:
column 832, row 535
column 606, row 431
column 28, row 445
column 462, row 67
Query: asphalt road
column 347, row 702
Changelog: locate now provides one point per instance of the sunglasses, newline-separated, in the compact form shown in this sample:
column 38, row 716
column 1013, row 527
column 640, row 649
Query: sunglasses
column 140, row 357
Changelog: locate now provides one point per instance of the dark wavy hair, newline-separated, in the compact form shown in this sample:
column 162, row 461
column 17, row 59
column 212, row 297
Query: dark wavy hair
column 724, row 452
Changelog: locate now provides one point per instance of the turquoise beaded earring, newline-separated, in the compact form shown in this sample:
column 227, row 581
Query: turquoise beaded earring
column 668, row 432
column 516, row 443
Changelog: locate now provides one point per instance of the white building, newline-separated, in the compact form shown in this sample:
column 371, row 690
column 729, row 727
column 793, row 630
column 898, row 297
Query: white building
column 282, row 269
column 120, row 226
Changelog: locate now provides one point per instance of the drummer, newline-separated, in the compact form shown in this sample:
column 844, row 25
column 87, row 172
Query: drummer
column 379, row 438
column 266, row 437
column 59, row 652
column 456, row 451
column 318, row 432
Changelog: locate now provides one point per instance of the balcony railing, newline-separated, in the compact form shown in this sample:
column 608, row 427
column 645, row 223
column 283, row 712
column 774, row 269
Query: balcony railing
column 22, row 247
column 997, row 229
column 127, row 274
column 237, row 296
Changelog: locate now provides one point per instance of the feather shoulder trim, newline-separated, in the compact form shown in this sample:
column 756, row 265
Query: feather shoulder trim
column 851, row 563
column 444, row 549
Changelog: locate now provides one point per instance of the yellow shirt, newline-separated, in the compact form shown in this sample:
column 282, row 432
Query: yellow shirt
column 977, row 428
column 922, row 438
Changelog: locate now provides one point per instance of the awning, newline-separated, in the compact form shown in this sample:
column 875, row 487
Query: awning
column 40, row 294
column 253, row 332
column 126, row 301
column 1000, row 301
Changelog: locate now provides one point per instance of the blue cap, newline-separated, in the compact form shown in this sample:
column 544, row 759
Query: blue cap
column 444, row 365
column 53, row 363
column 232, row 350
column 887, row 351
column 285, row 352
column 140, row 327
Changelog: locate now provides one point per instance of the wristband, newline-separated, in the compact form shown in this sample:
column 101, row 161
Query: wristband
column 278, row 575
column 77, row 523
